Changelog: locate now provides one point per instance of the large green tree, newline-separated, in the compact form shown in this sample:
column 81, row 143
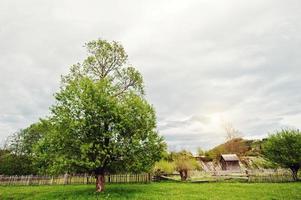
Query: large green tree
column 103, row 122
column 284, row 148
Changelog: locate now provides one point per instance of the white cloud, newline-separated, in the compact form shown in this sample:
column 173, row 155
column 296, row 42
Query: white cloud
column 202, row 61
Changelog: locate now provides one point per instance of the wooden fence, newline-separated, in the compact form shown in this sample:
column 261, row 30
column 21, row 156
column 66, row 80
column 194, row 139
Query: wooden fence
column 257, row 175
column 269, row 176
column 251, row 176
column 77, row 179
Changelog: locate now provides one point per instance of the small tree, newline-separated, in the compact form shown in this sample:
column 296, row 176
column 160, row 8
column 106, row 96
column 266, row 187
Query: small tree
column 284, row 148
column 185, row 162
column 231, row 131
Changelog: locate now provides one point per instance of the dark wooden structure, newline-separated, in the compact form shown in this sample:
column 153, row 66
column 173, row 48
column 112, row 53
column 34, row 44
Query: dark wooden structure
column 229, row 162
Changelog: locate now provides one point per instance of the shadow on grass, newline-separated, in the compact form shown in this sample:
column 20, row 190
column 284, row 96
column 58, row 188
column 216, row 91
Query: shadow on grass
column 82, row 192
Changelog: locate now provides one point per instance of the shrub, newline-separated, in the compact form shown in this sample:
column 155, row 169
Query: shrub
column 163, row 167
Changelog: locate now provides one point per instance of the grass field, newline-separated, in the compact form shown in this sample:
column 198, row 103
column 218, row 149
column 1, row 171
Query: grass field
column 158, row 191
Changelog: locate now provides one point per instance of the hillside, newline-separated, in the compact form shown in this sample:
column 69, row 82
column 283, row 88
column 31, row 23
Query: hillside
column 248, row 151
column 238, row 146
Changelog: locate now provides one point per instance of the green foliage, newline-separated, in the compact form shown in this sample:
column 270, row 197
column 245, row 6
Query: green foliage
column 23, row 142
column 13, row 164
column 101, row 120
column 255, row 147
column 163, row 167
column 216, row 152
column 185, row 162
column 18, row 159
column 107, row 60
column 284, row 148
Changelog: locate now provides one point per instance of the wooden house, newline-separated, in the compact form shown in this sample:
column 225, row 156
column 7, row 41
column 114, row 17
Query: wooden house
column 230, row 162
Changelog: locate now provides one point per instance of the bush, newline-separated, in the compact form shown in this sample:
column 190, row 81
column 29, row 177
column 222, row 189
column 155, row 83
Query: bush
column 163, row 167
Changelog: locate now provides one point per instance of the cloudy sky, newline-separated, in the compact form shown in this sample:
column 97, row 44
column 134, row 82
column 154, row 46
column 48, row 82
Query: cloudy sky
column 205, row 62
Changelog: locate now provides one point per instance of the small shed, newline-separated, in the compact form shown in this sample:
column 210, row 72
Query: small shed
column 230, row 162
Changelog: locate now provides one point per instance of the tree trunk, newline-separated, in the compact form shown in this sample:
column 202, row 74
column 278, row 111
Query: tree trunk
column 184, row 175
column 100, row 182
column 181, row 174
column 295, row 173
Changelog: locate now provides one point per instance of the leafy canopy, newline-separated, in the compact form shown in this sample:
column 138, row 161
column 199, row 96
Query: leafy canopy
column 102, row 121
column 184, row 161
column 284, row 148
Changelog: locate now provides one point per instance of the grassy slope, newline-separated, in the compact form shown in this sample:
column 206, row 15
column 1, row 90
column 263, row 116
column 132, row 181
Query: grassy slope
column 158, row 191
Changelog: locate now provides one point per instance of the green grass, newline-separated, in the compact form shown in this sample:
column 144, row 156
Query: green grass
column 158, row 191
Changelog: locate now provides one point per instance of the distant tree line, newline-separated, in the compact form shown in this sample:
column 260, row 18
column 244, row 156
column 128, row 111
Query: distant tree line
column 281, row 149
column 17, row 156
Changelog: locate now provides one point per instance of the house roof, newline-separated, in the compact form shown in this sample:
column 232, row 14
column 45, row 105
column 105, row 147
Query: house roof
column 230, row 157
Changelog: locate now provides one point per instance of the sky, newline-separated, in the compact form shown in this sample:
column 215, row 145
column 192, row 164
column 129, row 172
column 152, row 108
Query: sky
column 204, row 62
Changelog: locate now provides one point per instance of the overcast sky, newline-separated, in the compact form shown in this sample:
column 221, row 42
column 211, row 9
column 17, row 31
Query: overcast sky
column 205, row 62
